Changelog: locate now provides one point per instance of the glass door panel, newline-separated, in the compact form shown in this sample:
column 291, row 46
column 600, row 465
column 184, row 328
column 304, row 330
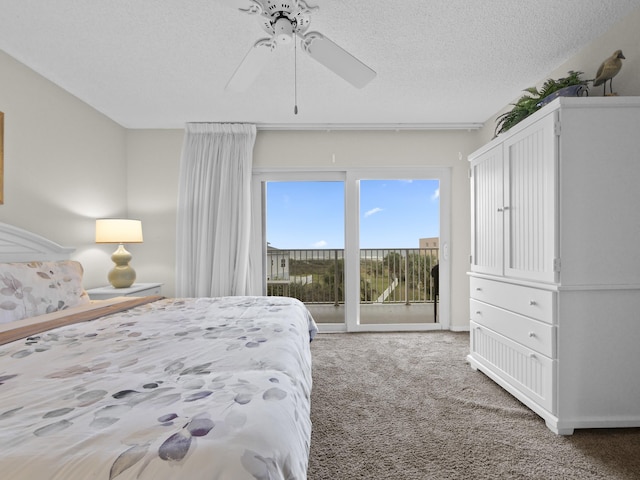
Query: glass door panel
column 399, row 248
column 305, row 245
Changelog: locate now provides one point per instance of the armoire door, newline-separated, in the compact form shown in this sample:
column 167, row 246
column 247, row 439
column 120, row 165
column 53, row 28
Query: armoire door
column 530, row 197
column 487, row 215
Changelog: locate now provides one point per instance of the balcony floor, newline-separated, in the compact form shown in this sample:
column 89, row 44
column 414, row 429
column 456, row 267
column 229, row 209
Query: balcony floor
column 376, row 314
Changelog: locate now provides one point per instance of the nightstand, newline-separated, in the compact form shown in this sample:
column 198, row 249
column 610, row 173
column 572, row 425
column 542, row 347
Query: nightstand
column 135, row 290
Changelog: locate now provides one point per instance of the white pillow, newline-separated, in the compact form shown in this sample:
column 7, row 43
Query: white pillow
column 36, row 288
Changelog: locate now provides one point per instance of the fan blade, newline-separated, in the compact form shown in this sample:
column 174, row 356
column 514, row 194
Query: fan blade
column 253, row 62
column 337, row 59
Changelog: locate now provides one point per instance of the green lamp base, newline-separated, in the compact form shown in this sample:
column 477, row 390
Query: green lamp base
column 122, row 275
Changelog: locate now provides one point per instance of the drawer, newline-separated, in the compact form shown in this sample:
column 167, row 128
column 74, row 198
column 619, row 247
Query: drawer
column 529, row 301
column 533, row 334
column 525, row 370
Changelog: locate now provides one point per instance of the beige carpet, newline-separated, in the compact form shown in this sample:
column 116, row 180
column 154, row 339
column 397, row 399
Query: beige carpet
column 408, row 406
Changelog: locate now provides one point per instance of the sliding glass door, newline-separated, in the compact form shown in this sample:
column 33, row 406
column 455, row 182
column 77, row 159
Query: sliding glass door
column 358, row 247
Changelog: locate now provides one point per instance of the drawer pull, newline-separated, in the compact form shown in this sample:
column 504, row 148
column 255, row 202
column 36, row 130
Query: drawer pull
column 532, row 356
column 478, row 289
column 478, row 312
column 532, row 302
column 532, row 334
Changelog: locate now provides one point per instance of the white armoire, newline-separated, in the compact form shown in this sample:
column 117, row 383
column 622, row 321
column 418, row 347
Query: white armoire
column 555, row 262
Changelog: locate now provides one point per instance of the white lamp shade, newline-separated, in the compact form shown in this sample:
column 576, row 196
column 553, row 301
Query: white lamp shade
column 118, row 230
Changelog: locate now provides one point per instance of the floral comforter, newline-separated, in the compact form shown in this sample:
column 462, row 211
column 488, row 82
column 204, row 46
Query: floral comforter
column 209, row 388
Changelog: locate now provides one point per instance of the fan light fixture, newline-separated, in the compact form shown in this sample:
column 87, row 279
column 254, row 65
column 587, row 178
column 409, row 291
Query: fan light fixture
column 283, row 30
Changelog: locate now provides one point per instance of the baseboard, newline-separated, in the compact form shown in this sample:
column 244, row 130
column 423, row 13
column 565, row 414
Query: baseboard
column 460, row 328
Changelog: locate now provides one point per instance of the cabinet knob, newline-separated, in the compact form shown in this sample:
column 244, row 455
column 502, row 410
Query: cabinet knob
column 500, row 209
column 478, row 289
column 532, row 302
column 532, row 356
column 532, row 334
column 478, row 312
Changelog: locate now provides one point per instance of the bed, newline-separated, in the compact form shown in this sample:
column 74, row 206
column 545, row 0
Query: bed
column 147, row 388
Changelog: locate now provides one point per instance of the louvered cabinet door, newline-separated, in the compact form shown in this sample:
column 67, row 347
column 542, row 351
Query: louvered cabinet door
column 530, row 168
column 487, row 213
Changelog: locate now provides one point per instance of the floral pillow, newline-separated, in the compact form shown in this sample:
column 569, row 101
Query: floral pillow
column 36, row 288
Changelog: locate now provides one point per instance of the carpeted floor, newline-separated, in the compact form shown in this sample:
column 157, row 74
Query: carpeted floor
column 408, row 406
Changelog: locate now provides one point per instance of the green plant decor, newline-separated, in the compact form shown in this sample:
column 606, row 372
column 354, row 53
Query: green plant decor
column 528, row 104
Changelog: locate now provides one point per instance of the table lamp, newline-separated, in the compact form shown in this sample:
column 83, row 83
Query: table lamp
column 120, row 230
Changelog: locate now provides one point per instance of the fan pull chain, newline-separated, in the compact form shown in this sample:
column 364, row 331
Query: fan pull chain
column 295, row 75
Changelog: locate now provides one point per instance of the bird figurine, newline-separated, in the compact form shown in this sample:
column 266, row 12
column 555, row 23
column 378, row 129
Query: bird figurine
column 609, row 69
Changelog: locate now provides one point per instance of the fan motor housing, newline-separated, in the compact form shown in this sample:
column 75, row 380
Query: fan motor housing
column 285, row 19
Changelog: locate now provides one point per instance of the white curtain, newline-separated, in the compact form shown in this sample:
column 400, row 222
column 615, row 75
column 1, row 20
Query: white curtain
column 214, row 211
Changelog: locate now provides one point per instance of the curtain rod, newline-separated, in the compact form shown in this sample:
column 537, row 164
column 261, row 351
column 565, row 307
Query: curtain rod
column 369, row 126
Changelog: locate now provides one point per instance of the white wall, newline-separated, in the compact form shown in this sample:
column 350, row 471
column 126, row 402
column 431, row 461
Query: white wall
column 153, row 158
column 64, row 165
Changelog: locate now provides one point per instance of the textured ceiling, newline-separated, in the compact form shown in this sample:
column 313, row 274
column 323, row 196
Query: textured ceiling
column 161, row 63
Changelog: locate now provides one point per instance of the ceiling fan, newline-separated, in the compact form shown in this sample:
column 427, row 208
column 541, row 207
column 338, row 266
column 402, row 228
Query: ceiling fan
column 286, row 21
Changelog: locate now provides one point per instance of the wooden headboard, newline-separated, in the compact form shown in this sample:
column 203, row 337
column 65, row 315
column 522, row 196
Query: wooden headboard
column 18, row 245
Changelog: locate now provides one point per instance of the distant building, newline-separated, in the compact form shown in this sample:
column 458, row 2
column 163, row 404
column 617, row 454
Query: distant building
column 277, row 264
column 433, row 242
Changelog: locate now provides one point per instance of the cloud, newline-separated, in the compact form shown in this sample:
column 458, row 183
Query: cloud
column 436, row 194
column 372, row 212
column 320, row 244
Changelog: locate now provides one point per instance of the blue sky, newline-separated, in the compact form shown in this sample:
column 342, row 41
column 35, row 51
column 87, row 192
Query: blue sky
column 393, row 213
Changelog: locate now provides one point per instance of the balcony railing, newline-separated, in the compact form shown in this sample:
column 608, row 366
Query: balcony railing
column 387, row 275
